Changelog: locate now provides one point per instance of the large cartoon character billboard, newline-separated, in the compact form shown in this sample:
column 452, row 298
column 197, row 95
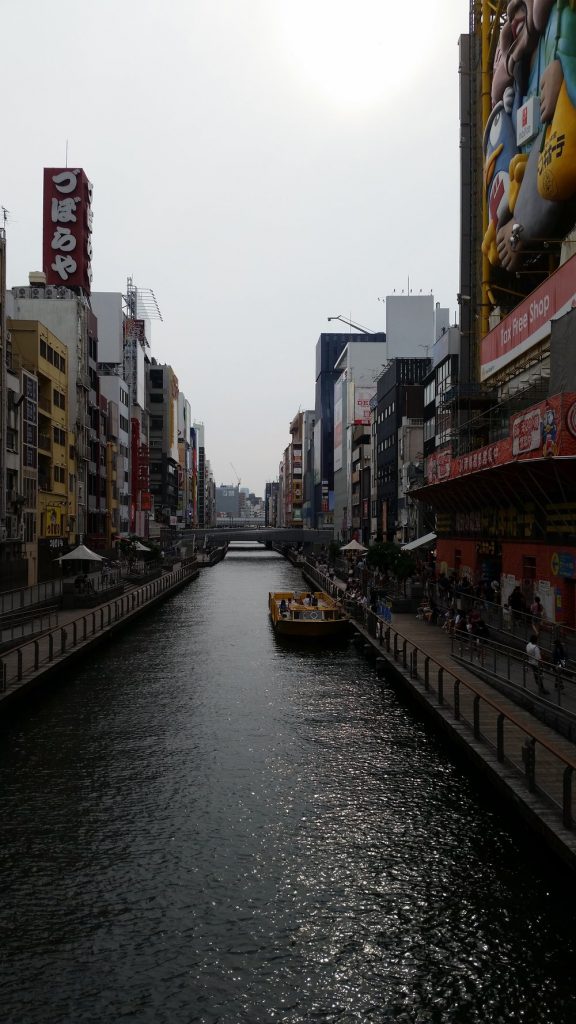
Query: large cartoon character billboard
column 530, row 136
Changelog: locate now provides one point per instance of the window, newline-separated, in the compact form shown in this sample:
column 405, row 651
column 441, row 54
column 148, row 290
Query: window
column 59, row 436
column 29, row 456
column 59, row 399
column 158, row 399
column 156, row 378
column 43, row 349
column 124, row 425
column 62, row 364
column 31, row 388
column 59, row 475
column 429, row 429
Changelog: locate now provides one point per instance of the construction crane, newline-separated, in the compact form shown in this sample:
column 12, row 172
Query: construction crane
column 236, row 475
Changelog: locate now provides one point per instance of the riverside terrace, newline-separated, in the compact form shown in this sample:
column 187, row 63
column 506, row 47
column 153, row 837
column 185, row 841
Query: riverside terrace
column 37, row 662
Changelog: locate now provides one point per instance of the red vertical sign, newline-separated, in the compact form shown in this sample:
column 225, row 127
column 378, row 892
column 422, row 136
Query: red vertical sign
column 67, row 244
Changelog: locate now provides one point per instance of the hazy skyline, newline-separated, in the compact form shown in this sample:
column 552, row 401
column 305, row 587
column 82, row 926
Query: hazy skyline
column 261, row 165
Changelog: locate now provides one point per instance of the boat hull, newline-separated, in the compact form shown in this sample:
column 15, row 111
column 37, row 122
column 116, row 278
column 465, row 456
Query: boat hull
column 292, row 617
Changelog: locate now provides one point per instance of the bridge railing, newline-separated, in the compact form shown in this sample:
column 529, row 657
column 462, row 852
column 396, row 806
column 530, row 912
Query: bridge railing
column 22, row 662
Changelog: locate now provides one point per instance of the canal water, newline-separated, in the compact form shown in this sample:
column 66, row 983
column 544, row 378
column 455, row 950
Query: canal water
column 207, row 825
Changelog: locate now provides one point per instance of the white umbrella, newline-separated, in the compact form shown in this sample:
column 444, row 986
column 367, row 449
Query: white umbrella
column 354, row 546
column 80, row 554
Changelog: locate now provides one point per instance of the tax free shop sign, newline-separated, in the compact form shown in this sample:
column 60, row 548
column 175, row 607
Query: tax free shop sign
column 529, row 323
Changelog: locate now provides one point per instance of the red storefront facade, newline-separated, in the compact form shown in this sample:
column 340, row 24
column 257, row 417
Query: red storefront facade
column 507, row 510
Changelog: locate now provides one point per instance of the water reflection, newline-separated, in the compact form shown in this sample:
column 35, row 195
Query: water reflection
column 208, row 825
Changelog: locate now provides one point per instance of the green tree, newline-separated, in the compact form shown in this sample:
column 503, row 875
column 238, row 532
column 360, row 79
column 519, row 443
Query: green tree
column 404, row 567
column 333, row 550
column 381, row 556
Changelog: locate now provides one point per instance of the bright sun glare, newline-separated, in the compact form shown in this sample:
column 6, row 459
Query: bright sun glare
column 356, row 54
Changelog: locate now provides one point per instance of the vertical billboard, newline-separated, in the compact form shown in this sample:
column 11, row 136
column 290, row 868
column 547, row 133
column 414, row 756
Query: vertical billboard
column 338, row 425
column 67, row 241
column 318, row 452
column 362, row 399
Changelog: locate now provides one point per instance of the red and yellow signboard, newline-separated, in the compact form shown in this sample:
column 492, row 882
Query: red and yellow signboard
column 529, row 322
column 543, row 431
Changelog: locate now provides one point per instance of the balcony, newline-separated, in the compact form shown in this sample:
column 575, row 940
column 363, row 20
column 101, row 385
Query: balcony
column 45, row 403
column 44, row 442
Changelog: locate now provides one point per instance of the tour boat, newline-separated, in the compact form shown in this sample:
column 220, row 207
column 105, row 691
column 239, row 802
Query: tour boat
column 306, row 614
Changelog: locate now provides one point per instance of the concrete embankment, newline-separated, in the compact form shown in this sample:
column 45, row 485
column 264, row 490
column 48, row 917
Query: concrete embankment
column 43, row 660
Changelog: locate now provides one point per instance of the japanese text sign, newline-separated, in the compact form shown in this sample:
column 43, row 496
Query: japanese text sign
column 67, row 248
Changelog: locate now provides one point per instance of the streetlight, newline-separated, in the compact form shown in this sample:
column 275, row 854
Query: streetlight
column 350, row 323
column 358, row 327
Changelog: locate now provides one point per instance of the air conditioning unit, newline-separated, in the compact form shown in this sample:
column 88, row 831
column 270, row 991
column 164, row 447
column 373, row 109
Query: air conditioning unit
column 21, row 293
column 34, row 292
column 49, row 293
column 61, row 293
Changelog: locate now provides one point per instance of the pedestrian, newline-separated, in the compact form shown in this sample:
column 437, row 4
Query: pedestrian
column 537, row 613
column 516, row 604
column 559, row 660
column 535, row 661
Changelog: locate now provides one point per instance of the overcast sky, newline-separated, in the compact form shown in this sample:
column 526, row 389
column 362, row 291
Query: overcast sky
column 260, row 164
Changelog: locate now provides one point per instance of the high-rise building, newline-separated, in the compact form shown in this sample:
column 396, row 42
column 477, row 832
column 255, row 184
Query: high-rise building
column 68, row 317
column 200, row 459
column 162, row 401
column 359, row 366
column 328, row 349
column 46, row 466
column 501, row 472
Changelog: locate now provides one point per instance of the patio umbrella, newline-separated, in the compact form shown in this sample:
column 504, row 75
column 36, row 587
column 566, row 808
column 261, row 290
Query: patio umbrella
column 80, row 554
column 354, row 546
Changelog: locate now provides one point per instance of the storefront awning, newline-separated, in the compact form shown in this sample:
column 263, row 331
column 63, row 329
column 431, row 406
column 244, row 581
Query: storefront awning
column 426, row 539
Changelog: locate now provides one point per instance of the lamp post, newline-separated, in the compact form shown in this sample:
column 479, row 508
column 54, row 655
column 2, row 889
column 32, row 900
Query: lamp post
column 350, row 323
column 358, row 327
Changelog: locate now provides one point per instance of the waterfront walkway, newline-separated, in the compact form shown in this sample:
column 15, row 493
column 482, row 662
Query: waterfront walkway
column 31, row 664
column 527, row 760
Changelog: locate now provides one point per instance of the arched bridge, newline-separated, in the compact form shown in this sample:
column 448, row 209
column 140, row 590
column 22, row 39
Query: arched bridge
column 259, row 534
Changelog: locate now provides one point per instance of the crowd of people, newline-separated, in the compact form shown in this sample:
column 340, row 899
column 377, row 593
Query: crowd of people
column 461, row 607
